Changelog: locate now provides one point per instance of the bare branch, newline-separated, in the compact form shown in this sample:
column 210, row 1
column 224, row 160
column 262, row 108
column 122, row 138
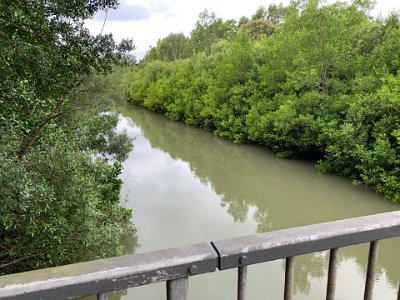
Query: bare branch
column 104, row 23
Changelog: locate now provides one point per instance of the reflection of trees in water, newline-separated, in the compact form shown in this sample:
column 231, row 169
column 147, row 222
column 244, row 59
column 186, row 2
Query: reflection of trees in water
column 281, row 192
column 130, row 243
column 261, row 218
column 388, row 262
column 307, row 267
column 238, row 209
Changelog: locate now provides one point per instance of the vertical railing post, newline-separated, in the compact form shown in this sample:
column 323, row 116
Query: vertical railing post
column 331, row 286
column 289, row 278
column 242, row 281
column 398, row 294
column 370, row 280
column 102, row 296
column 177, row 289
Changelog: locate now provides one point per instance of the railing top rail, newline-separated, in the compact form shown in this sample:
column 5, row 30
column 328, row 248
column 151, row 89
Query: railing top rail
column 115, row 273
column 269, row 246
column 110, row 274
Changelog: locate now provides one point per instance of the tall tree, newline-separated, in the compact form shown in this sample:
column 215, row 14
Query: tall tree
column 208, row 30
column 45, row 51
column 173, row 47
column 59, row 193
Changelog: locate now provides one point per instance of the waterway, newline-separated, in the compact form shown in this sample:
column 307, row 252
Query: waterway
column 187, row 186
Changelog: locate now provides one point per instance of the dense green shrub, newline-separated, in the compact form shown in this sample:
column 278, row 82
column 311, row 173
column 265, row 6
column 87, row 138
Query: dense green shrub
column 320, row 81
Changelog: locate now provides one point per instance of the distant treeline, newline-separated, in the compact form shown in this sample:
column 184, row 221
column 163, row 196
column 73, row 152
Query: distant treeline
column 306, row 80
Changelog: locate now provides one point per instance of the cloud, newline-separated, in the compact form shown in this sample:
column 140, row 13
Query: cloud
column 171, row 14
column 126, row 12
column 158, row 6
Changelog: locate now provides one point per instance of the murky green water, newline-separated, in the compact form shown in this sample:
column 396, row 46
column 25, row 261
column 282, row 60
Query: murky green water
column 187, row 186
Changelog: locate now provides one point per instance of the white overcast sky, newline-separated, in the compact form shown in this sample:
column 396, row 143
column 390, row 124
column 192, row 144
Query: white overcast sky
column 147, row 21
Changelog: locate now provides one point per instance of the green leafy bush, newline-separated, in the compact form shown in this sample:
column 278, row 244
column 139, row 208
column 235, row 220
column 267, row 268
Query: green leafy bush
column 306, row 80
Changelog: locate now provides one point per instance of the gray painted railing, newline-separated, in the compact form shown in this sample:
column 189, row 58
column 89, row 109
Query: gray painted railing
column 176, row 265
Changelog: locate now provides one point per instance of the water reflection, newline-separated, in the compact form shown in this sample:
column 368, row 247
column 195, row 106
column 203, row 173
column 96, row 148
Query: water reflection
column 251, row 182
column 130, row 243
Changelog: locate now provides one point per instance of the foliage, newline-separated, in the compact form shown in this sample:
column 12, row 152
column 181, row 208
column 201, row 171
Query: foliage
column 307, row 80
column 45, row 52
column 59, row 206
column 59, row 153
column 172, row 47
column 264, row 22
column 209, row 30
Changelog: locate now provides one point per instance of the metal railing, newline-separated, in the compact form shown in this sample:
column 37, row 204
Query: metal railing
column 176, row 265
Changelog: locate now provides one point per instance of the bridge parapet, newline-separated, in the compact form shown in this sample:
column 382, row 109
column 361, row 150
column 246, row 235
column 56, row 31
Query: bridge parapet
column 176, row 265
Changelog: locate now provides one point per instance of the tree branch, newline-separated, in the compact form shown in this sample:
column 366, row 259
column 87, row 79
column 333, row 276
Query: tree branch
column 16, row 261
column 52, row 115
column 104, row 23
column 25, row 30
column 24, row 149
